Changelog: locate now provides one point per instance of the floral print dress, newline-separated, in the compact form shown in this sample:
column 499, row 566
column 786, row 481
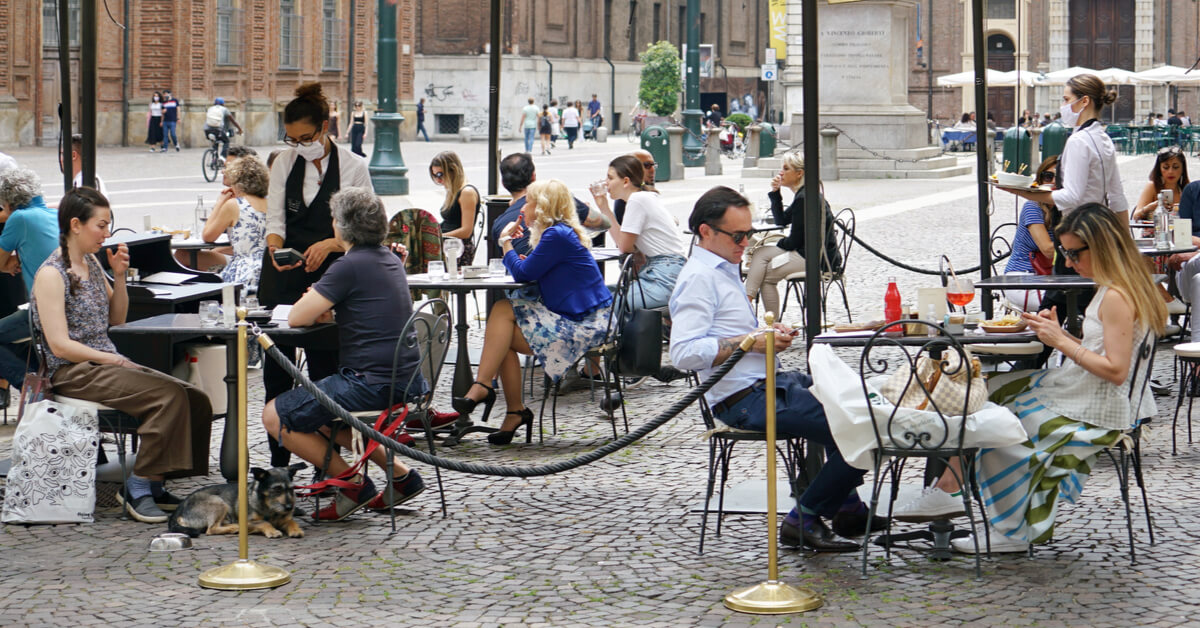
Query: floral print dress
column 248, row 237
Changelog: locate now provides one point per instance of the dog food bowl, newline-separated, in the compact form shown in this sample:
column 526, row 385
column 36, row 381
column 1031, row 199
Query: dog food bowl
column 170, row 542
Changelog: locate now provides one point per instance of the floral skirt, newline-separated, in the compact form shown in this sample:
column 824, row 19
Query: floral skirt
column 557, row 341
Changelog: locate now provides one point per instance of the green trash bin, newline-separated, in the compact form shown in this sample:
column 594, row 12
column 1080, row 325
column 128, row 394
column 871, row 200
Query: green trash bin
column 656, row 142
column 1018, row 151
column 767, row 139
column 1054, row 138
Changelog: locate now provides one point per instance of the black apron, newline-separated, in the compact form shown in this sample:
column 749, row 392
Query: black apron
column 306, row 225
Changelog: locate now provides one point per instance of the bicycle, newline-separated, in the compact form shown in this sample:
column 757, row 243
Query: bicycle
column 211, row 163
column 636, row 126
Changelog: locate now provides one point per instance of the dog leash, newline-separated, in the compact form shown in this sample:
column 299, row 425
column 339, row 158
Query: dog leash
column 341, row 480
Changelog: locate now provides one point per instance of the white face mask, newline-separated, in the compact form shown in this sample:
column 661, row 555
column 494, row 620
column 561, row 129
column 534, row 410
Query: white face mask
column 312, row 152
column 1069, row 115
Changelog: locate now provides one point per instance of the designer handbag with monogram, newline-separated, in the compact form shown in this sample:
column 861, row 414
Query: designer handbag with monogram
column 945, row 381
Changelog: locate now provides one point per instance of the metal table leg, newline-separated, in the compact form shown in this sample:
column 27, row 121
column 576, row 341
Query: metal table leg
column 463, row 377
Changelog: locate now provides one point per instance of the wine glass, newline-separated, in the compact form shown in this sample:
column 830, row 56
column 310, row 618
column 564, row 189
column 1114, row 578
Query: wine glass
column 960, row 291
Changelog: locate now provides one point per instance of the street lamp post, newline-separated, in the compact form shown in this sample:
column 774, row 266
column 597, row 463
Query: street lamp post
column 693, row 148
column 387, row 164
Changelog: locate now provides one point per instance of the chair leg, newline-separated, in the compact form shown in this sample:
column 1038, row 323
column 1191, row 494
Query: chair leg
column 1141, row 482
column 876, row 486
column 554, row 410
column 437, row 471
column 712, row 473
column 726, row 454
column 542, row 416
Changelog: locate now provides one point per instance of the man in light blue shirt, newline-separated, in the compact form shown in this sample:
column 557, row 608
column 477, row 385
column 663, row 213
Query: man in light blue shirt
column 710, row 316
column 30, row 235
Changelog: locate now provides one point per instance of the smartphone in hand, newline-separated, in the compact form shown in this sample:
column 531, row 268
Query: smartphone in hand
column 287, row 257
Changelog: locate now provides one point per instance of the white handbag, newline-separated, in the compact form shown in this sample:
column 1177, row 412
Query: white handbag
column 53, row 475
column 839, row 389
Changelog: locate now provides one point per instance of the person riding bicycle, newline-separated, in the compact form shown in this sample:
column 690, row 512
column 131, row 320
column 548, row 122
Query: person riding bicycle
column 217, row 122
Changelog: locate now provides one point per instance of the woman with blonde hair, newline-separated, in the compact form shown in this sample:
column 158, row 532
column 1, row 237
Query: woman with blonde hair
column 569, row 317
column 461, row 204
column 765, row 269
column 1073, row 412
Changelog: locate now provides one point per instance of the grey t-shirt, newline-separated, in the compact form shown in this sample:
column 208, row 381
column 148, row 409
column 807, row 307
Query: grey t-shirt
column 369, row 291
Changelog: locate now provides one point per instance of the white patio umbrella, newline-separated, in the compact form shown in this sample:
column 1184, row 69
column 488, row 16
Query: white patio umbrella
column 1168, row 74
column 1060, row 77
column 1117, row 76
column 963, row 79
column 1013, row 78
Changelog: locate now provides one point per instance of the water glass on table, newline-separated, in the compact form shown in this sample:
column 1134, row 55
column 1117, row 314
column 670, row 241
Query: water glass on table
column 437, row 270
column 496, row 268
column 210, row 313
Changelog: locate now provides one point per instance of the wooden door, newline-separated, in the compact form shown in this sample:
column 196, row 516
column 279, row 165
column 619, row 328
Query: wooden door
column 1102, row 36
column 1002, row 58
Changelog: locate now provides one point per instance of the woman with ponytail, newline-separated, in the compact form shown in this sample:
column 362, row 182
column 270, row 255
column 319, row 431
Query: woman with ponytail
column 647, row 228
column 73, row 306
column 303, row 179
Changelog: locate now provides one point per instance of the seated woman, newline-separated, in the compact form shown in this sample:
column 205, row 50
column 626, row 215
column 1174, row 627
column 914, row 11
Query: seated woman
column 73, row 306
column 766, row 271
column 570, row 317
column 1032, row 239
column 1071, row 413
column 1169, row 173
column 646, row 228
column 461, row 204
column 242, row 213
column 368, row 290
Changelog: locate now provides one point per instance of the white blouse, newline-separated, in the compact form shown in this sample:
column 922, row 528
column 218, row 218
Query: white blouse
column 1088, row 171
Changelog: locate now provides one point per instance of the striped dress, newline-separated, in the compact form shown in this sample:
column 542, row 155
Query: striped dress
column 1070, row 416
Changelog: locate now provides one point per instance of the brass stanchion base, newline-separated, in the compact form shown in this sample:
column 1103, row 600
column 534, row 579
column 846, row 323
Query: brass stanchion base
column 242, row 575
column 772, row 598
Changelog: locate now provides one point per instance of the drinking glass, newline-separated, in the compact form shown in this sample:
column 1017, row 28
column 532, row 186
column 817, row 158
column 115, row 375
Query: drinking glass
column 250, row 302
column 960, row 291
column 437, row 270
column 210, row 313
column 496, row 268
column 599, row 187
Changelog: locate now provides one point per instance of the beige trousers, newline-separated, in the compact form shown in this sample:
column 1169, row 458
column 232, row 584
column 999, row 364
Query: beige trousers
column 175, row 417
column 763, row 277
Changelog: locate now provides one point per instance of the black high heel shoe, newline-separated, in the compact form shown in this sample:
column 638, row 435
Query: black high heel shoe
column 504, row 437
column 465, row 405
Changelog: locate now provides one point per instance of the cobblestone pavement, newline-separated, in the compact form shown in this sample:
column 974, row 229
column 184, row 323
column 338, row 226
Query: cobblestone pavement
column 614, row 543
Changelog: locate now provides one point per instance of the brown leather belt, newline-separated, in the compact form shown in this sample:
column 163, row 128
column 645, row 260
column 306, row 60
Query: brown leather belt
column 732, row 400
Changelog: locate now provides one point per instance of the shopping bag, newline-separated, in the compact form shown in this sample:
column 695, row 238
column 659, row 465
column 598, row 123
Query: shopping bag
column 850, row 414
column 53, row 475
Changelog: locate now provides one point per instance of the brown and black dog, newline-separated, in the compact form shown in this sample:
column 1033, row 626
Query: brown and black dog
column 213, row 509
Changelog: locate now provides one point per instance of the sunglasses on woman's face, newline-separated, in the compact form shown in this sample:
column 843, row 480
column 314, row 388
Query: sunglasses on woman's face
column 1048, row 176
column 438, row 175
column 1072, row 254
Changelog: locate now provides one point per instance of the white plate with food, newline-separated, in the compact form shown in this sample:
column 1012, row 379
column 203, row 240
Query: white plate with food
column 1008, row 324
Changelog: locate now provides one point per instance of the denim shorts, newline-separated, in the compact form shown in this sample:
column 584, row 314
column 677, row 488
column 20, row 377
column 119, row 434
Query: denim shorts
column 301, row 412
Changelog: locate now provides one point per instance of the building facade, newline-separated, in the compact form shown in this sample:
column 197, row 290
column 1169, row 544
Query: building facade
column 252, row 53
column 1040, row 36
column 570, row 50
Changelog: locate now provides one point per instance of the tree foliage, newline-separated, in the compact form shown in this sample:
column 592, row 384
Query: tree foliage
column 740, row 119
column 660, row 86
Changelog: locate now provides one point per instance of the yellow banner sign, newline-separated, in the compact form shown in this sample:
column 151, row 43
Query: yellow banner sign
column 778, row 30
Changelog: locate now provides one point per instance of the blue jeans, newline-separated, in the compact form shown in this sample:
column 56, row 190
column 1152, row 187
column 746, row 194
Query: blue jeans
column 656, row 281
column 421, row 129
column 799, row 414
column 13, row 327
column 169, row 134
column 530, row 133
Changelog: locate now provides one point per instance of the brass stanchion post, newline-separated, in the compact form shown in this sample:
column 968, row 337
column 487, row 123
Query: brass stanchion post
column 243, row 573
column 771, row 597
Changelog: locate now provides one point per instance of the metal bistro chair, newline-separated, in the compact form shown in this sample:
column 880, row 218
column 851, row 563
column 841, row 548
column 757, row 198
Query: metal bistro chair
column 899, row 437
column 606, row 352
column 1129, row 447
column 721, row 441
column 844, row 223
column 428, row 332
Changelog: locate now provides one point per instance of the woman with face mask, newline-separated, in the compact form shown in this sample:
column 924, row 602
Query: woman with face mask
column 154, row 122
column 303, row 179
column 1087, row 171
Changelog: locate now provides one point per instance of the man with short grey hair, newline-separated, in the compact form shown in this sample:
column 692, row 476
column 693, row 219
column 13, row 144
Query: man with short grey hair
column 30, row 235
column 368, row 290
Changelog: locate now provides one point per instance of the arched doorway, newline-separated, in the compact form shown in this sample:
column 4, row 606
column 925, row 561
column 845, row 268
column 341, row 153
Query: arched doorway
column 1102, row 36
column 1002, row 57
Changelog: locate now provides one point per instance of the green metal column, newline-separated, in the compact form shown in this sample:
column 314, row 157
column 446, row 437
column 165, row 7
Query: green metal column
column 693, row 148
column 387, row 164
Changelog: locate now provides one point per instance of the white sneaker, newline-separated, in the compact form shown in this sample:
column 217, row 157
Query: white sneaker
column 933, row 504
column 1000, row 545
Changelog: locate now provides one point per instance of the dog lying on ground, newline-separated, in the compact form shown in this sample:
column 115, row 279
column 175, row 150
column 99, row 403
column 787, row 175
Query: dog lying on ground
column 213, row 509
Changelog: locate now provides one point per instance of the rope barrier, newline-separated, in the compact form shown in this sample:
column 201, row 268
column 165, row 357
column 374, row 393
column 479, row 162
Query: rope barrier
column 487, row 469
column 909, row 267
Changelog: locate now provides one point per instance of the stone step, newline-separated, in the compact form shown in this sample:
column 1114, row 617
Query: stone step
column 924, row 152
column 759, row 172
column 937, row 173
column 888, row 164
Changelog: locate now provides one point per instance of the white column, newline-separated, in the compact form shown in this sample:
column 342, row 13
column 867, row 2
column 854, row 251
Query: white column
column 1060, row 32
column 1143, row 54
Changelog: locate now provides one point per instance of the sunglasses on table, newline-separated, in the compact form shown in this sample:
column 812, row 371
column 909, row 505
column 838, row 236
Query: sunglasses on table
column 737, row 236
column 1072, row 254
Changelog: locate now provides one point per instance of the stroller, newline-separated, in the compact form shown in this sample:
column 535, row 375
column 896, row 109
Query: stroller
column 589, row 131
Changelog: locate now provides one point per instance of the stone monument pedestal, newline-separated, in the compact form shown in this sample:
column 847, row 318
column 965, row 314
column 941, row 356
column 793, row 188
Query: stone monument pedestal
column 863, row 81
